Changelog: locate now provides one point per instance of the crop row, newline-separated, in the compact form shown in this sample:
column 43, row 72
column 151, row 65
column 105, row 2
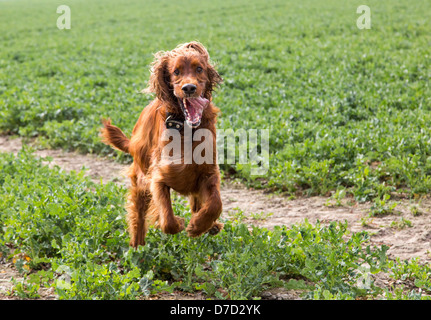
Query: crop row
column 64, row 231
column 345, row 108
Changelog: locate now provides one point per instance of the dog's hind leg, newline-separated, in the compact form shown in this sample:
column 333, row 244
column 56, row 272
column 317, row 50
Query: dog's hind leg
column 137, row 209
column 139, row 201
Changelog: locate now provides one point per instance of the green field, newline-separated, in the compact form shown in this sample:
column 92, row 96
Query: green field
column 47, row 216
column 347, row 109
column 335, row 98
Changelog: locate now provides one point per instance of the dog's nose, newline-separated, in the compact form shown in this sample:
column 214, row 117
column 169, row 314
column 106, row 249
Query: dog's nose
column 188, row 88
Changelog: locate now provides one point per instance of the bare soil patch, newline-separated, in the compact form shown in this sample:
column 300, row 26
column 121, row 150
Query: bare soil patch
column 407, row 232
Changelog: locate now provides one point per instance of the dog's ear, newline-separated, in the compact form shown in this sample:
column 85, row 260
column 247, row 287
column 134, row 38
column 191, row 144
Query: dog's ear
column 213, row 80
column 159, row 82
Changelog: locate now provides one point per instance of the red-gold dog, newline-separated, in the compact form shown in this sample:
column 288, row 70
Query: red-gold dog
column 183, row 80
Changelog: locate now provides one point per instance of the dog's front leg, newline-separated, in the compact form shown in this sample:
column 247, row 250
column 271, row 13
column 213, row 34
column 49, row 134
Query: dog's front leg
column 206, row 209
column 169, row 223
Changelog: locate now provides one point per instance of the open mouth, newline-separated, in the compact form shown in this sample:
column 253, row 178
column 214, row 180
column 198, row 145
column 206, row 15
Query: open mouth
column 193, row 109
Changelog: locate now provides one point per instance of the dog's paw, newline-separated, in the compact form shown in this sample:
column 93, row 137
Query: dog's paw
column 177, row 226
column 193, row 231
column 135, row 243
column 181, row 223
column 216, row 228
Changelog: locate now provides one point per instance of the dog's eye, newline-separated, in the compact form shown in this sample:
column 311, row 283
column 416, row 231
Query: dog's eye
column 176, row 72
column 199, row 69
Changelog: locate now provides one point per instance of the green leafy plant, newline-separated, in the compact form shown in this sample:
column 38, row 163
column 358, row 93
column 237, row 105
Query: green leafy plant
column 261, row 215
column 24, row 289
column 383, row 206
column 401, row 224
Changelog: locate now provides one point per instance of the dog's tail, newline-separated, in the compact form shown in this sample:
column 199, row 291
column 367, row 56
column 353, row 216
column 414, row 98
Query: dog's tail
column 113, row 136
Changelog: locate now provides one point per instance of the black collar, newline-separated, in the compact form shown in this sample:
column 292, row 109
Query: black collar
column 174, row 121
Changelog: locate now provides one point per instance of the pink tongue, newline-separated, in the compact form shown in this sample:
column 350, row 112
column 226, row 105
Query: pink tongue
column 199, row 103
column 197, row 106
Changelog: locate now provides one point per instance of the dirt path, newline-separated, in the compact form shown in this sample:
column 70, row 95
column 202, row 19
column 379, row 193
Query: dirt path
column 269, row 210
